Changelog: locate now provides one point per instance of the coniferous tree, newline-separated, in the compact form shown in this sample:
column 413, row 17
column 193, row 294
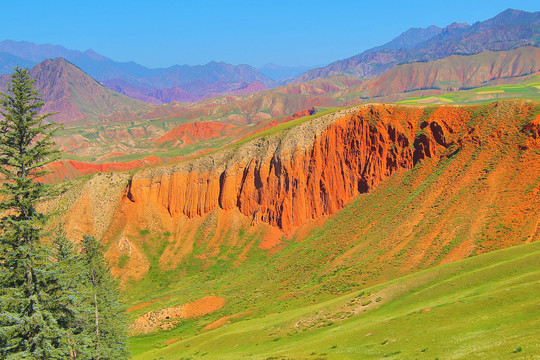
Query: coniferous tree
column 28, row 327
column 72, row 308
column 107, row 327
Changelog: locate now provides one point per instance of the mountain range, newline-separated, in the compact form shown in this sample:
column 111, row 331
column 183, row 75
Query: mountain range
column 508, row 30
column 78, row 99
column 189, row 83
column 456, row 72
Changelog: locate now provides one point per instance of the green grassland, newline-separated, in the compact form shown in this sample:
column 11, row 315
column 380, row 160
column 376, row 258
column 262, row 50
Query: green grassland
column 484, row 307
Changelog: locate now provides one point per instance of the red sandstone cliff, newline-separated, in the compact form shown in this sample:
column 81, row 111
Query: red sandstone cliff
column 313, row 171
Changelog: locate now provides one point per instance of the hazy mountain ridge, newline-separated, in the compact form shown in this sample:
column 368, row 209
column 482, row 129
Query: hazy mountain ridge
column 410, row 38
column 127, row 77
column 283, row 73
column 76, row 96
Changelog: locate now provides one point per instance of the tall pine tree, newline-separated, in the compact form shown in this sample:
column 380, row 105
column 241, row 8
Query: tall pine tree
column 28, row 327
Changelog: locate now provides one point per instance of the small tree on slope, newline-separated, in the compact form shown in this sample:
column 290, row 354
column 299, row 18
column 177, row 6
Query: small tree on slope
column 72, row 308
column 28, row 328
column 107, row 328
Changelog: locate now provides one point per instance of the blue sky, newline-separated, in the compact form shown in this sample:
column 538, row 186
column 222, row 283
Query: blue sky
column 161, row 33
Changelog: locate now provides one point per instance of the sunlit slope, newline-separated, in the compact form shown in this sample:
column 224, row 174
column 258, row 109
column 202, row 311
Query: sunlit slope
column 484, row 307
column 456, row 72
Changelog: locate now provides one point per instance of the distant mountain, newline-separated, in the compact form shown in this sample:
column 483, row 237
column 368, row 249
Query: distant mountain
column 9, row 61
column 135, row 90
column 66, row 89
column 508, row 30
column 195, row 90
column 279, row 73
column 210, row 73
column 97, row 66
column 410, row 38
column 129, row 78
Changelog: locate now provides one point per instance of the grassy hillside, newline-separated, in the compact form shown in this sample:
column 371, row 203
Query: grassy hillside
column 455, row 72
column 484, row 307
column 526, row 90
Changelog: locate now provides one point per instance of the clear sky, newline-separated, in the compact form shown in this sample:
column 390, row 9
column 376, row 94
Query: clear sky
column 161, row 33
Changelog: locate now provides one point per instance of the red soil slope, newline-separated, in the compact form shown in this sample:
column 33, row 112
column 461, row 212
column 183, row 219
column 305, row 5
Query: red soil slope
column 154, row 320
column 68, row 169
column 195, row 131
column 284, row 119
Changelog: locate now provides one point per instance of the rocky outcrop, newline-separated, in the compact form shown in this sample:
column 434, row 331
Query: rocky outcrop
column 312, row 171
column 532, row 131
column 165, row 318
column 258, row 194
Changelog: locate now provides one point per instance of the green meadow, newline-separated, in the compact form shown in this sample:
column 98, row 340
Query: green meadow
column 483, row 307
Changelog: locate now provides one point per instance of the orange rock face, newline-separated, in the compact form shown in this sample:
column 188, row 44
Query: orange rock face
column 532, row 129
column 295, row 180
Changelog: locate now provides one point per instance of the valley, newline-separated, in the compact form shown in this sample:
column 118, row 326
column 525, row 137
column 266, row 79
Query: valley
column 385, row 205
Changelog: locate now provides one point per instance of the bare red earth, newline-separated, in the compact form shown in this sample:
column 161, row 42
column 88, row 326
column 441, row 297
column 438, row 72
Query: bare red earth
column 284, row 119
column 112, row 155
column 195, row 131
column 67, row 169
column 154, row 320
column 225, row 320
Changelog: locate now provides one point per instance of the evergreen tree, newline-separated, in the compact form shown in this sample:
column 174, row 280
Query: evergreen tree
column 28, row 327
column 72, row 308
column 108, row 327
